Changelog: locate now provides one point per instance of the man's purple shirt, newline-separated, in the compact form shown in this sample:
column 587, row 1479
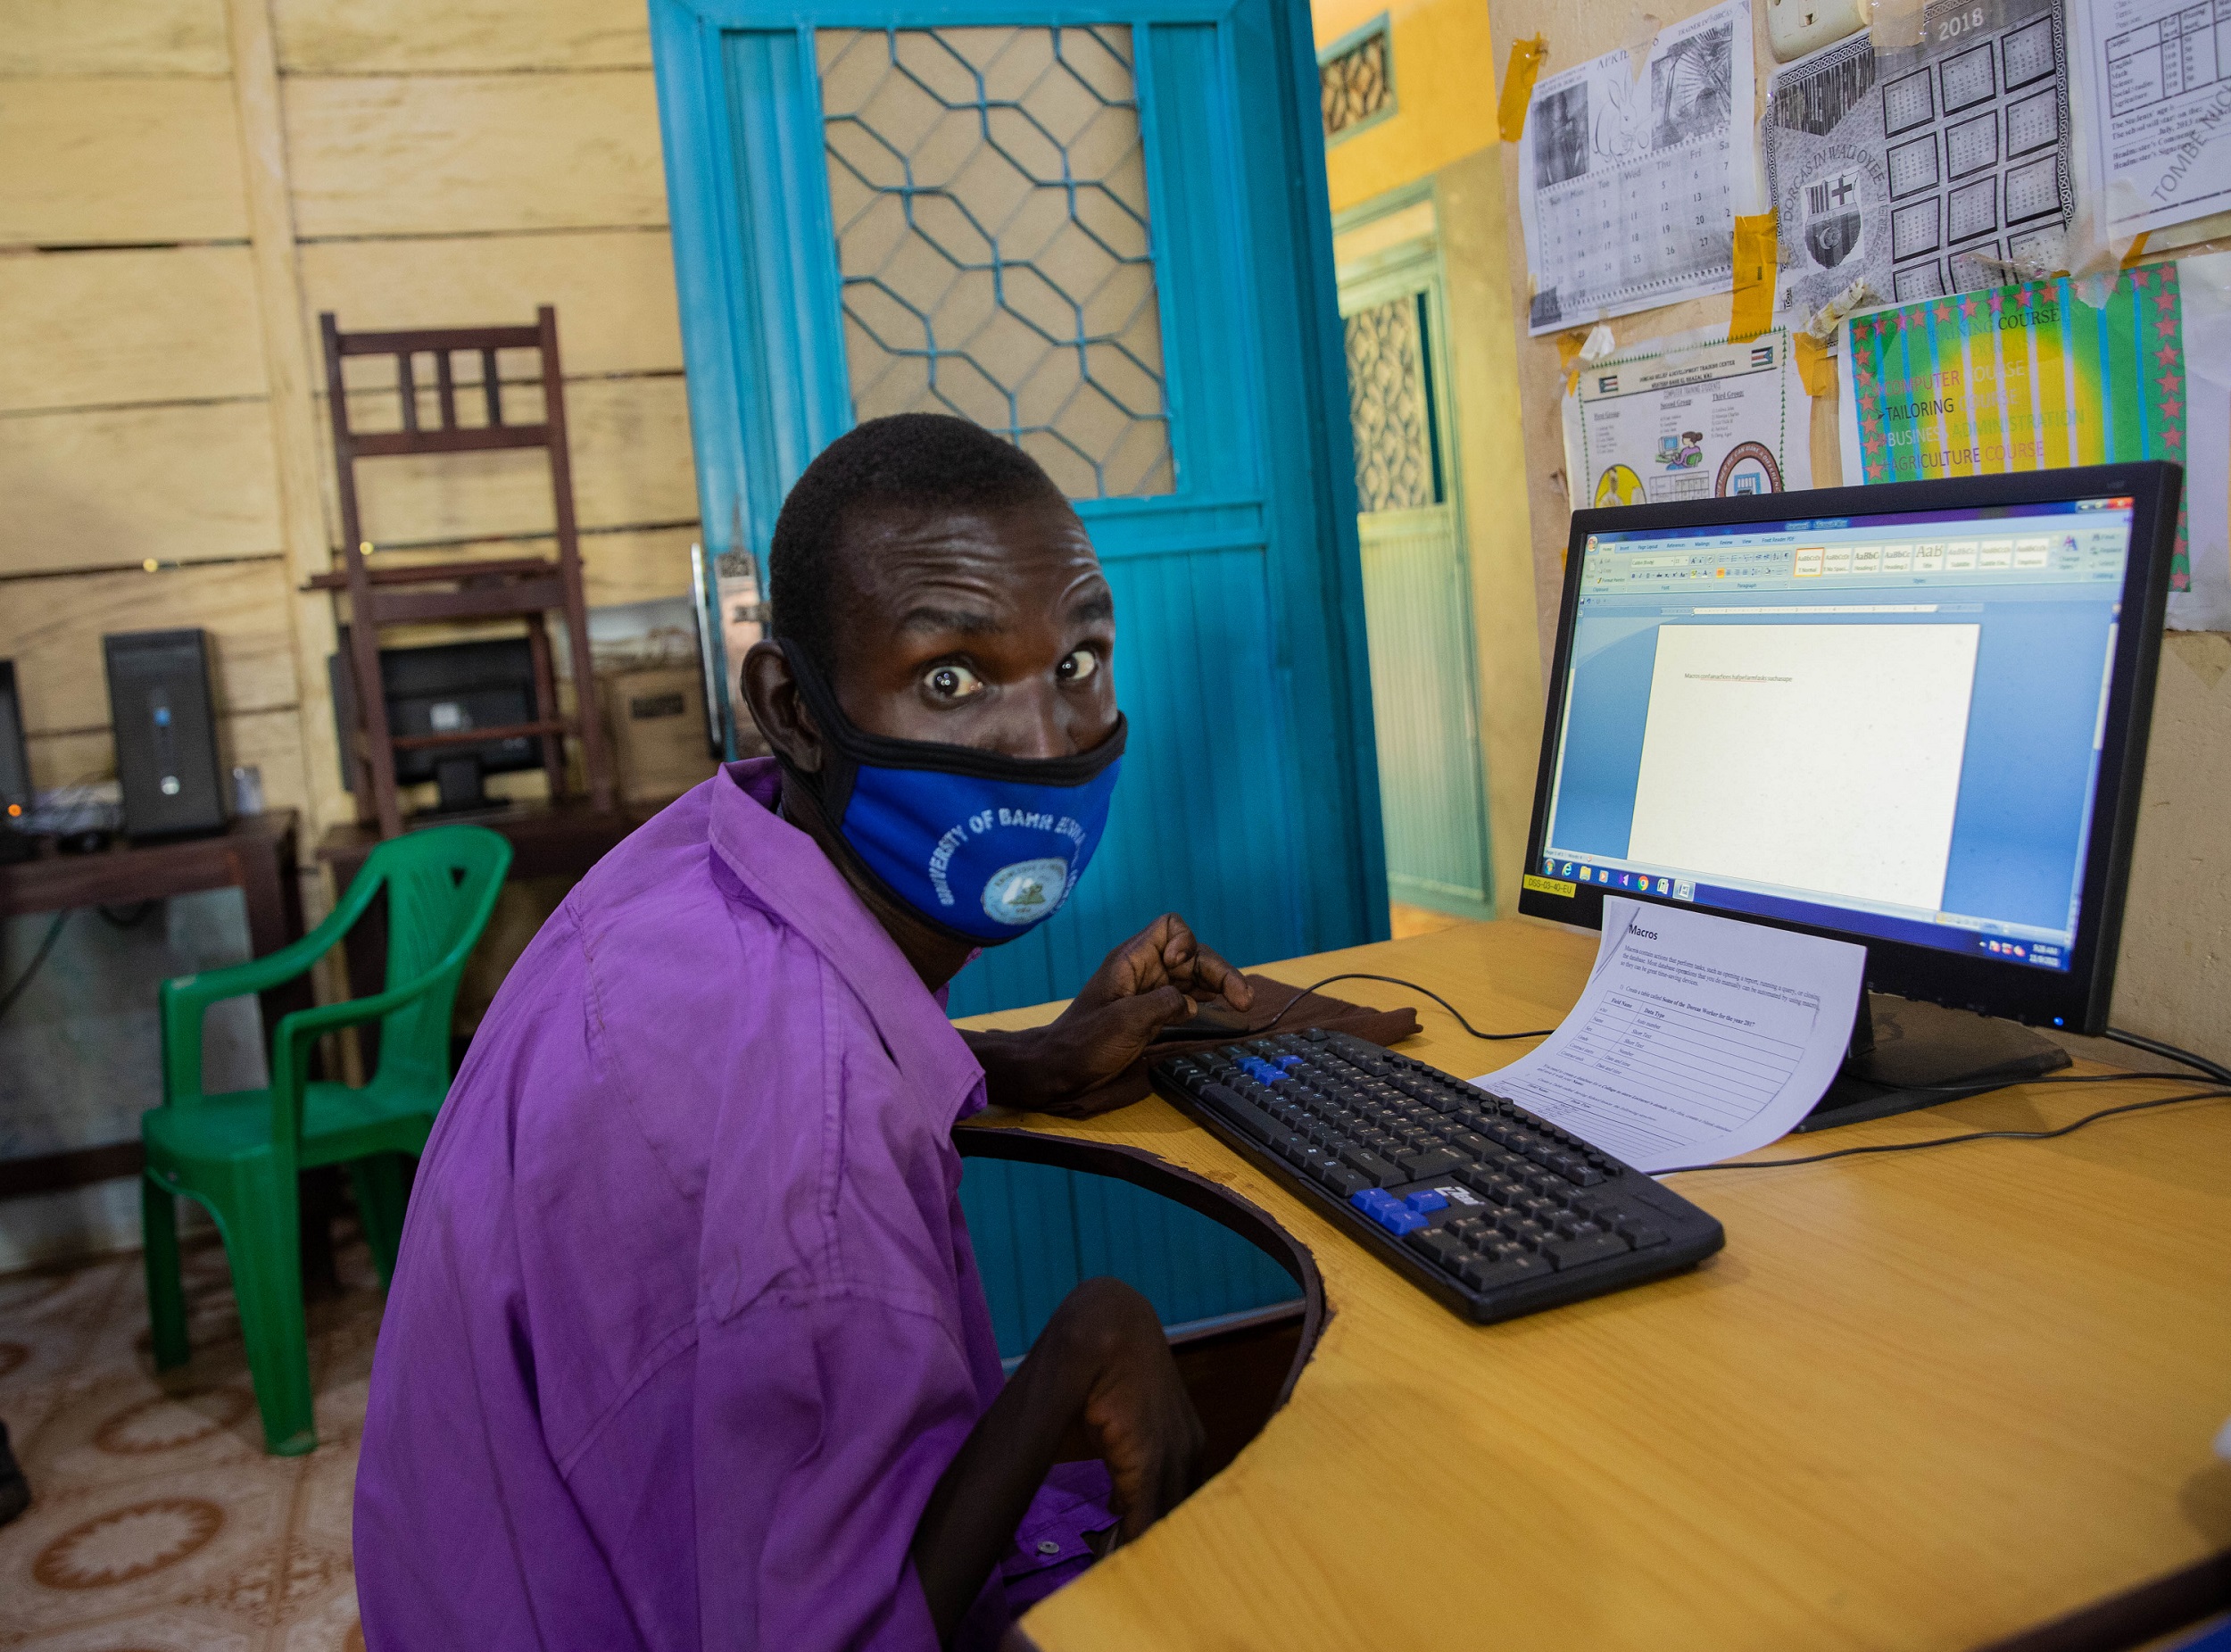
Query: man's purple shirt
column 686, row 1324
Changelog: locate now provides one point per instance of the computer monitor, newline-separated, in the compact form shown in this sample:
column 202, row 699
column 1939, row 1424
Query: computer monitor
column 1911, row 715
column 447, row 688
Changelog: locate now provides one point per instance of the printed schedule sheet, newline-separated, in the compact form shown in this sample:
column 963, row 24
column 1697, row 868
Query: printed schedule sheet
column 2161, row 123
column 1698, row 1038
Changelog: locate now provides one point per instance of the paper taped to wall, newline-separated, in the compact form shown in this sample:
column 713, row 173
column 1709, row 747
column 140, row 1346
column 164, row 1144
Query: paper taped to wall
column 1926, row 170
column 1628, row 185
column 1689, row 417
column 1698, row 1038
column 2022, row 379
column 2159, row 79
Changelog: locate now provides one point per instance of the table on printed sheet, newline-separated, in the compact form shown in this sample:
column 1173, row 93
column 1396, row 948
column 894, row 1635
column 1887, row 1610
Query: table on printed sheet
column 1921, row 1400
column 1722, row 1073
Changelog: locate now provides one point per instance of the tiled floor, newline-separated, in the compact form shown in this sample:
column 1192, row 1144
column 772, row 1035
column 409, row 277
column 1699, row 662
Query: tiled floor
column 157, row 1523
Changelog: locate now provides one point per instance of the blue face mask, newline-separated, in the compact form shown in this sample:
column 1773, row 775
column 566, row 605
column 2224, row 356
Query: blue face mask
column 983, row 846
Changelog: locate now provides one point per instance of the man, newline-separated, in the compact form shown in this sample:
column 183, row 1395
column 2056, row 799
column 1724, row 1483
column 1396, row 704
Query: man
column 686, row 1345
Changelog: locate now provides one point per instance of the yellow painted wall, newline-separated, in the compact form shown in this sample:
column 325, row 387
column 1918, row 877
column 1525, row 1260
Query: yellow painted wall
column 1443, row 130
column 1443, row 94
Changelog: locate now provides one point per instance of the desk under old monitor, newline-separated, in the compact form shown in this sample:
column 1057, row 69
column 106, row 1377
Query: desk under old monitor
column 1921, row 1400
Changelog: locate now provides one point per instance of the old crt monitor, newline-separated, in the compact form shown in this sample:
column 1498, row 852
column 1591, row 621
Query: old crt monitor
column 1911, row 715
column 447, row 688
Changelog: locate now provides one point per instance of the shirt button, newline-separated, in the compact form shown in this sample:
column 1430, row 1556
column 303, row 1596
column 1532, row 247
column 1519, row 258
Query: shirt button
column 1047, row 1546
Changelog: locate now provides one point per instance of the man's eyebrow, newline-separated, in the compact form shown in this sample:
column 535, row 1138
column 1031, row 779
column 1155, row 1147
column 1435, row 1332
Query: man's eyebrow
column 1101, row 605
column 928, row 618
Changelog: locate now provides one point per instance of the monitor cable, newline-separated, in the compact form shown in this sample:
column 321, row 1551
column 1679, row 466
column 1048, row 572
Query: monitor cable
column 2152, row 1046
column 2214, row 1093
column 1394, row 980
column 53, row 933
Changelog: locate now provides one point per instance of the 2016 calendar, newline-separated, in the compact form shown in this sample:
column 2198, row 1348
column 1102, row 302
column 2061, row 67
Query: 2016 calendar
column 1627, row 188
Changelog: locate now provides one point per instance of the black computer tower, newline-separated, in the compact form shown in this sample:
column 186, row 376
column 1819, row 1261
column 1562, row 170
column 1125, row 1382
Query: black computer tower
column 166, row 733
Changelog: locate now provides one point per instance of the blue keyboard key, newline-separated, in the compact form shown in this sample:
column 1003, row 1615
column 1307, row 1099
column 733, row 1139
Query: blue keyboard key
column 1426, row 1198
column 1288, row 1060
column 1389, row 1212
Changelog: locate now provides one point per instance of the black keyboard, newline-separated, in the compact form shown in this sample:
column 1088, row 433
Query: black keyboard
column 1494, row 1211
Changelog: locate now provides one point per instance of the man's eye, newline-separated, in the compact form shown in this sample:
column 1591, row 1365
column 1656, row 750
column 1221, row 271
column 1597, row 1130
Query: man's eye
column 1078, row 666
column 952, row 682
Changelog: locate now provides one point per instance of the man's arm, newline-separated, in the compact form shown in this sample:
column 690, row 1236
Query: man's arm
column 1102, row 1364
column 1152, row 981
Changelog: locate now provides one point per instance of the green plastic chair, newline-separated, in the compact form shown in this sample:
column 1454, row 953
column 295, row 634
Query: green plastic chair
column 239, row 1155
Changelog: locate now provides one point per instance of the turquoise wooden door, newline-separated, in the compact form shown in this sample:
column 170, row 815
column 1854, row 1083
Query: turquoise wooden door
column 1417, row 594
column 1102, row 233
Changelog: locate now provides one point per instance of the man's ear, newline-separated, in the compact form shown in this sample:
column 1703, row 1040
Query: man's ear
column 770, row 688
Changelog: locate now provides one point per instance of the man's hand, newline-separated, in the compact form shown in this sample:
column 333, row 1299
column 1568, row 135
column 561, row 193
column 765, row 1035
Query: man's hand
column 1156, row 978
column 1101, row 1367
column 1137, row 1415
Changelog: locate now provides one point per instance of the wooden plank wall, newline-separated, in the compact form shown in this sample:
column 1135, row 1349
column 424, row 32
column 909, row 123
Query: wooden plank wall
column 438, row 162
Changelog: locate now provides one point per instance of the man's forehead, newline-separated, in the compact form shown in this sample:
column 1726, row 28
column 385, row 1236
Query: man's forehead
column 895, row 560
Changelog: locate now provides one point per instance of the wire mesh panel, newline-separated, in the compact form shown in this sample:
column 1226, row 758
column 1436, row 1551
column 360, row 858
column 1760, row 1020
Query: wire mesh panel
column 989, row 188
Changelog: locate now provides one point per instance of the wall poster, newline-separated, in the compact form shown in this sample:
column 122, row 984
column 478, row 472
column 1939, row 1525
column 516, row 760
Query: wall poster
column 1925, row 170
column 2020, row 379
column 1691, row 417
column 1627, row 180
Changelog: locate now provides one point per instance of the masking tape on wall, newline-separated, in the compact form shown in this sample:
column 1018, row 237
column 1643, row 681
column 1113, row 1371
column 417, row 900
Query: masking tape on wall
column 1755, row 259
column 1569, row 355
column 1518, row 85
column 1815, row 366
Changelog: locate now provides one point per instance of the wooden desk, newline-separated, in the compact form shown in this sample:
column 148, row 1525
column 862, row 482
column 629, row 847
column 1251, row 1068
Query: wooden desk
column 1921, row 1400
column 255, row 854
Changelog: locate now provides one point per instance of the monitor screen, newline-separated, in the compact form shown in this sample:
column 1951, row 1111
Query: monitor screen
column 1890, row 726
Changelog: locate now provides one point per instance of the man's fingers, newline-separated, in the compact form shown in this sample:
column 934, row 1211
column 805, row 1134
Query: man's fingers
column 1190, row 963
column 1211, row 972
column 1140, row 962
column 1145, row 1014
column 1177, row 942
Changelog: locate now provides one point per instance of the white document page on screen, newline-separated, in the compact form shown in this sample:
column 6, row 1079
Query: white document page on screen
column 1817, row 757
column 1697, row 1037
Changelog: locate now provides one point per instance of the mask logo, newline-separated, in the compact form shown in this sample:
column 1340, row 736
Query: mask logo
column 1026, row 891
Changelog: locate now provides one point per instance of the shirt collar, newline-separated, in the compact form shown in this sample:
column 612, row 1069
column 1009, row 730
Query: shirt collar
column 785, row 872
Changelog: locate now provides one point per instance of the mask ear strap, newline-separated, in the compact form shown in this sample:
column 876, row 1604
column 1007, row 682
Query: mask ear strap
column 834, row 785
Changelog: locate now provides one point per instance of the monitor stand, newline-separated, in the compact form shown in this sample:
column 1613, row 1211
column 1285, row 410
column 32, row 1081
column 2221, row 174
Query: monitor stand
column 1900, row 1044
column 458, row 782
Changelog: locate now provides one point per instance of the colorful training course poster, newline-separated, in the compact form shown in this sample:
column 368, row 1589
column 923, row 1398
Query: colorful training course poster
column 2020, row 379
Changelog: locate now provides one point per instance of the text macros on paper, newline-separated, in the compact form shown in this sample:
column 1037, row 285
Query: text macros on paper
column 1699, row 1038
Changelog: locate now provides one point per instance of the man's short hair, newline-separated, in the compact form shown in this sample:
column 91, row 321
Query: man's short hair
column 914, row 461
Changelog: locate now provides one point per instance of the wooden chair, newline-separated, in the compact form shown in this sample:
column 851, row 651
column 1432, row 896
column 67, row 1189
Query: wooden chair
column 524, row 588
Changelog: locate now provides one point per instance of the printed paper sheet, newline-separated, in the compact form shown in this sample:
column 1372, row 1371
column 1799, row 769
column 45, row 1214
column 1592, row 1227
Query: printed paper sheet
column 2020, row 379
column 1627, row 183
column 2159, row 83
column 2204, row 296
column 1696, row 1038
column 1927, row 169
column 1691, row 417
